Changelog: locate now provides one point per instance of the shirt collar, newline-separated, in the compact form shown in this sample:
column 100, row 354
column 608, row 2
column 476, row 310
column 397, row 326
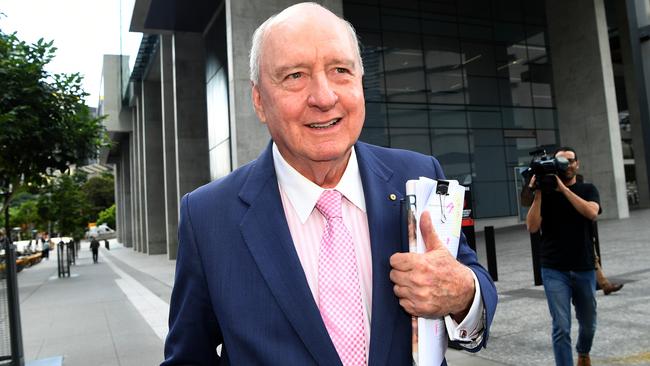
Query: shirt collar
column 303, row 193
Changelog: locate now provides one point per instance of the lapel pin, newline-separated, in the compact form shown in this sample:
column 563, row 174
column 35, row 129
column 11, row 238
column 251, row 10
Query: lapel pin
column 392, row 196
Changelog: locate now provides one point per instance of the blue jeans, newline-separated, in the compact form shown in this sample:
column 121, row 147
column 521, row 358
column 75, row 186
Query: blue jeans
column 562, row 288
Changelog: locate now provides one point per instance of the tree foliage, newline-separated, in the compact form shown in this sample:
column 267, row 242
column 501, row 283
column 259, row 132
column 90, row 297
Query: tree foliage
column 107, row 217
column 65, row 204
column 100, row 194
column 44, row 124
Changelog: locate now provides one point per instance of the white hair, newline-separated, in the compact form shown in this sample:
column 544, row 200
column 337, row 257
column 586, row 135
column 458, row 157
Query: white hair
column 260, row 32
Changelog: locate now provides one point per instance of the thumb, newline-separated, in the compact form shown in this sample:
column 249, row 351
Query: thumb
column 429, row 235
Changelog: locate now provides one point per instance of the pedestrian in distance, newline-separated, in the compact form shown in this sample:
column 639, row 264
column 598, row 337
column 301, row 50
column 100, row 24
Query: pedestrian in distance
column 45, row 243
column 287, row 259
column 565, row 215
column 94, row 247
column 107, row 245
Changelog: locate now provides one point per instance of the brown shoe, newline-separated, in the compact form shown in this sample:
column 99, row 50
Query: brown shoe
column 613, row 287
column 584, row 360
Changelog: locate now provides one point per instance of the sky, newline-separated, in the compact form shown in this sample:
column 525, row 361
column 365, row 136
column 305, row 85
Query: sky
column 82, row 31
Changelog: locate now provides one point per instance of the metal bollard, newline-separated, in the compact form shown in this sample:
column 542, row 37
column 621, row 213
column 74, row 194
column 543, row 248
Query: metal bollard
column 535, row 244
column 17, row 356
column 63, row 259
column 491, row 252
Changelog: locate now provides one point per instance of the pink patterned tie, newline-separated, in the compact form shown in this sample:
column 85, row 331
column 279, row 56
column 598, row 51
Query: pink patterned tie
column 338, row 284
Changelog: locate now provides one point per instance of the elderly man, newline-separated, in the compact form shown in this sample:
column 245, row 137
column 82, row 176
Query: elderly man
column 297, row 258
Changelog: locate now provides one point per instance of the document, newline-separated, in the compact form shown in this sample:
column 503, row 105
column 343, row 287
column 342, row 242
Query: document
column 443, row 199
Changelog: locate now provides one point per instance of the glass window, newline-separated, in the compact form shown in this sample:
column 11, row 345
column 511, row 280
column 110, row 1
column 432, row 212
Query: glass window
column 517, row 150
column 474, row 31
column 447, row 116
column 362, row 16
column 439, row 7
column 400, row 4
column 484, row 117
column 509, row 10
column 545, row 118
column 439, row 28
column 547, row 137
column 488, row 154
column 444, row 74
column 481, row 90
column 535, row 12
column 515, row 92
column 220, row 160
column 415, row 139
column 407, row 115
column 491, row 199
column 541, row 76
column 518, row 118
column 218, row 111
column 536, row 35
column 376, row 115
column 374, row 86
column 516, row 89
column 400, row 23
column 469, row 81
column 474, row 8
column 478, row 58
column 451, row 148
column 404, row 68
column 542, row 96
column 509, row 33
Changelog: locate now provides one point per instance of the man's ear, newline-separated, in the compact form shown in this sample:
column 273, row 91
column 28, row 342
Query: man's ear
column 257, row 102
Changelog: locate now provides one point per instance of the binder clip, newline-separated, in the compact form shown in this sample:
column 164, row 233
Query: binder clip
column 443, row 187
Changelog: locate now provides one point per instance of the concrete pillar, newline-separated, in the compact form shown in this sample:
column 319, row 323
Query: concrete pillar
column 127, row 202
column 585, row 96
column 140, row 188
column 169, row 145
column 154, row 193
column 133, row 153
column 190, row 113
column 247, row 135
column 637, row 75
column 133, row 173
column 117, row 183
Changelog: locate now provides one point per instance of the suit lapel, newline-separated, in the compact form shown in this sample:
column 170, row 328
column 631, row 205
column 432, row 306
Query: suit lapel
column 266, row 233
column 385, row 237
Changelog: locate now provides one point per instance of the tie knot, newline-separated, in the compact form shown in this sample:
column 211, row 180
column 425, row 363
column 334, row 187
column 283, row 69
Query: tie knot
column 329, row 204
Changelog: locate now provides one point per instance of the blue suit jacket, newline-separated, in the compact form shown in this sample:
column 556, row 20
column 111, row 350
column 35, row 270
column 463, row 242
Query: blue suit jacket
column 239, row 280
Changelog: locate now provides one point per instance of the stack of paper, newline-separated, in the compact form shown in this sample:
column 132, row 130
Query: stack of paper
column 444, row 201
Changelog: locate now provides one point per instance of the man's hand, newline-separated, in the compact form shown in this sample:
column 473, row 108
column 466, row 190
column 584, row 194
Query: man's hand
column 434, row 283
column 531, row 184
column 561, row 187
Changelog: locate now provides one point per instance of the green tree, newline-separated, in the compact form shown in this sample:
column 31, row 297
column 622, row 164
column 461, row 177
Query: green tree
column 67, row 205
column 107, row 217
column 25, row 215
column 100, row 193
column 44, row 124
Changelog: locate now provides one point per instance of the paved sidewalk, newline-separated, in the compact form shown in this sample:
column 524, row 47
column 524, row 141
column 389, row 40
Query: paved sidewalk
column 114, row 312
column 87, row 318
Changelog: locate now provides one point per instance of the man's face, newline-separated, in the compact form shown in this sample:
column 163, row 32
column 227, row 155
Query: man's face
column 310, row 93
column 573, row 164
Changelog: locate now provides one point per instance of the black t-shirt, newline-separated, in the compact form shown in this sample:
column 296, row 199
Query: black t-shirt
column 567, row 243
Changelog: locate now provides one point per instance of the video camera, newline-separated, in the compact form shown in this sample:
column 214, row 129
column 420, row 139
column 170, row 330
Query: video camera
column 544, row 167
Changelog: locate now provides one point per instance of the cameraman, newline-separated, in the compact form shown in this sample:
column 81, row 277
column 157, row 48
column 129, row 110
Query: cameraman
column 565, row 216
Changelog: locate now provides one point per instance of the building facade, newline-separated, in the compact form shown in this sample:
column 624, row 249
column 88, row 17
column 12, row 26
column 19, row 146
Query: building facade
column 478, row 84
